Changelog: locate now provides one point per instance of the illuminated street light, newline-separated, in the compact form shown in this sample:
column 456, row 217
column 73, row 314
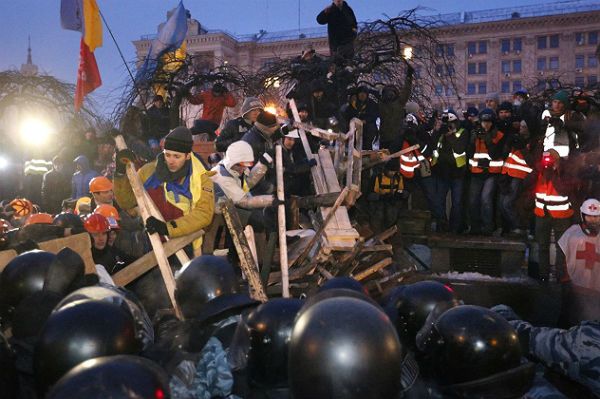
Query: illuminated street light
column 407, row 53
column 3, row 163
column 271, row 109
column 35, row 131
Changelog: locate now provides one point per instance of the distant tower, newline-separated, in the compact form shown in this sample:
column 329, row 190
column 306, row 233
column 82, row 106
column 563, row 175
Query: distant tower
column 29, row 69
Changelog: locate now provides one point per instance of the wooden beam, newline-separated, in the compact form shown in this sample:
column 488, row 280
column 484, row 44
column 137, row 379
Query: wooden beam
column 155, row 240
column 247, row 264
column 373, row 269
column 148, row 261
column 315, row 201
column 378, row 248
column 283, row 258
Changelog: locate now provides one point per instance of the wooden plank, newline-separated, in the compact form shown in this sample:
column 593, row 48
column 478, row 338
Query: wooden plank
column 80, row 243
column 155, row 240
column 373, row 269
column 283, row 259
column 357, row 170
column 148, row 261
column 350, row 159
column 384, row 235
column 379, row 248
column 247, row 264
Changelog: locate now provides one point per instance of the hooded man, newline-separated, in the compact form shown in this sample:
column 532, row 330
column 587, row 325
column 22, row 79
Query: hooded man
column 178, row 184
column 81, row 178
column 262, row 139
column 235, row 129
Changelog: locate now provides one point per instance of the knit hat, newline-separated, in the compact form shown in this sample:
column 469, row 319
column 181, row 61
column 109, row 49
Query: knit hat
column 472, row 111
column 505, row 106
column 179, row 140
column 249, row 104
column 562, row 96
column 493, row 96
column 266, row 119
column 487, row 115
column 411, row 107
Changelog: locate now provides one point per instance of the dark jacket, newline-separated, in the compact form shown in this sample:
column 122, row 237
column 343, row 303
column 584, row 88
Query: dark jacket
column 260, row 144
column 56, row 187
column 80, row 183
column 296, row 173
column 233, row 131
column 319, row 111
column 391, row 112
column 447, row 146
column 158, row 122
column 341, row 24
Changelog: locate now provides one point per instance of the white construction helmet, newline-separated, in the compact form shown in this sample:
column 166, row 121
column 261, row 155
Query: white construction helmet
column 590, row 207
column 293, row 134
column 239, row 152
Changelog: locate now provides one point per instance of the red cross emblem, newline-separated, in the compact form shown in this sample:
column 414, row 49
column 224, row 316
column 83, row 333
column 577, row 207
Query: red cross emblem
column 589, row 255
column 593, row 207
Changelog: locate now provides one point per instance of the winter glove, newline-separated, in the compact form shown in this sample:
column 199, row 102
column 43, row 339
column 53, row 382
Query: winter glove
column 122, row 158
column 556, row 122
column 312, row 162
column 266, row 159
column 153, row 225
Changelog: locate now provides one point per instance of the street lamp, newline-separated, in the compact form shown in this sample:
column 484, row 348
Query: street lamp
column 35, row 132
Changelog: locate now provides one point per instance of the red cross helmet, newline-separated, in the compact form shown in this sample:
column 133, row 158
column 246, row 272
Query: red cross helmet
column 590, row 207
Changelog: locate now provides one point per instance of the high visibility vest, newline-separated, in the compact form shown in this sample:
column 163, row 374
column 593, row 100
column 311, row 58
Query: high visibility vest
column 459, row 158
column 481, row 152
column 410, row 162
column 385, row 185
column 548, row 201
column 36, row 167
column 515, row 165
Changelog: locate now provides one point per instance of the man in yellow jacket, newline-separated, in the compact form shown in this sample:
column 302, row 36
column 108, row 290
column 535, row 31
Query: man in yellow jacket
column 177, row 182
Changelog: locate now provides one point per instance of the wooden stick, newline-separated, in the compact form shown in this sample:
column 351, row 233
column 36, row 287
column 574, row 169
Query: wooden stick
column 391, row 156
column 247, row 264
column 384, row 235
column 159, row 251
column 350, row 159
column 283, row 258
column 249, row 233
column 332, row 210
column 373, row 269
column 318, row 132
column 148, row 261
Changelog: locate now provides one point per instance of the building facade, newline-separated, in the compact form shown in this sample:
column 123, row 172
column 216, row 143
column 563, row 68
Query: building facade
column 492, row 51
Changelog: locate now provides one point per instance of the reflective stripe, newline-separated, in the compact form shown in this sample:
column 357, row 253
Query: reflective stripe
column 421, row 157
column 563, row 207
column 517, row 158
column 496, row 164
column 525, row 169
column 464, row 154
column 408, row 168
column 482, row 155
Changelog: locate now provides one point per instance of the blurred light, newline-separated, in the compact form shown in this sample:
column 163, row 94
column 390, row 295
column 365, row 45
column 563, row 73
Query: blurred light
column 3, row 163
column 270, row 108
column 35, row 131
column 407, row 53
column 274, row 81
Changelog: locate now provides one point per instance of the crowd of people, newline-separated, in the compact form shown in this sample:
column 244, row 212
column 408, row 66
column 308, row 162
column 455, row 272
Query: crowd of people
column 512, row 168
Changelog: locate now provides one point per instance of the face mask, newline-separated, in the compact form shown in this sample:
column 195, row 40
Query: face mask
column 517, row 103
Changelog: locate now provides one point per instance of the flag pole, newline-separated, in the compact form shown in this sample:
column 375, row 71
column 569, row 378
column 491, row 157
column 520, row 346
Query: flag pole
column 124, row 61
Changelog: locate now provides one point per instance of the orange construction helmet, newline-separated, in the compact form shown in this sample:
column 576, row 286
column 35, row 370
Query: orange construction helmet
column 110, row 213
column 21, row 206
column 96, row 223
column 100, row 183
column 39, row 218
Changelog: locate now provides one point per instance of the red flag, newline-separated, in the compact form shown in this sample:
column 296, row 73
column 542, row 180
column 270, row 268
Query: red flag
column 88, row 75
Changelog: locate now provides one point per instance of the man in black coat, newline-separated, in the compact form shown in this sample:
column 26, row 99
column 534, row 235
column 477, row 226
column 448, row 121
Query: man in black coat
column 56, row 186
column 341, row 29
column 235, row 129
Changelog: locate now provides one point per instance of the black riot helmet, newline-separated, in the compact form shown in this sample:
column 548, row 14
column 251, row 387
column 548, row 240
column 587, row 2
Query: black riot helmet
column 409, row 305
column 207, row 287
column 121, row 297
column 474, row 352
column 334, row 293
column 269, row 329
column 343, row 282
column 344, row 348
column 121, row 376
column 23, row 276
column 78, row 332
column 8, row 373
column 68, row 220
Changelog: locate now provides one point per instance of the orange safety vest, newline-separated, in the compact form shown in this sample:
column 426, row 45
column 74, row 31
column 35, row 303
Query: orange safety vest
column 481, row 152
column 410, row 162
column 549, row 201
column 515, row 165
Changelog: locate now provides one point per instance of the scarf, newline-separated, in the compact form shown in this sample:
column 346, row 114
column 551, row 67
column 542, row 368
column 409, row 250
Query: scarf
column 162, row 175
